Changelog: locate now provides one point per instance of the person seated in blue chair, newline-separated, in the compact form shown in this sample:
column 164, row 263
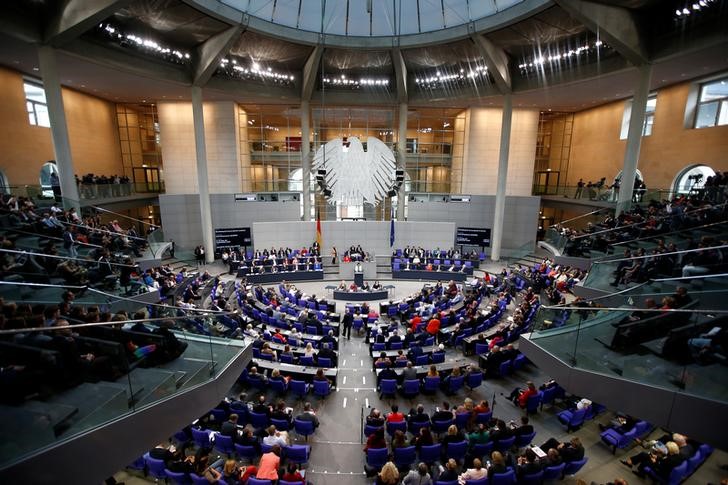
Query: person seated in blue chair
column 386, row 373
column 528, row 464
column 445, row 381
column 661, row 459
column 309, row 414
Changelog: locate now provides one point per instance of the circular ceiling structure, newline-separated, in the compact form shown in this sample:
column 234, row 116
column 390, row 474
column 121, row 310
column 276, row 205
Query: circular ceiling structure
column 371, row 23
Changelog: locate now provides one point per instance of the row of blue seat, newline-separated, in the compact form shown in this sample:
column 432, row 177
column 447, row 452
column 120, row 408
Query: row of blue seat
column 429, row 385
column 298, row 388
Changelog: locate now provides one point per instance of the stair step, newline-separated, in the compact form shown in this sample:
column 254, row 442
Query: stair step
column 154, row 384
column 195, row 371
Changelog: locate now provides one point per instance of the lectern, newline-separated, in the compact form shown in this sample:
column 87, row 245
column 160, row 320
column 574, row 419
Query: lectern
column 359, row 275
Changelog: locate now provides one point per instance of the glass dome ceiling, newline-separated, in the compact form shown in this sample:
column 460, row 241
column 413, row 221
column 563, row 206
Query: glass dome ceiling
column 371, row 18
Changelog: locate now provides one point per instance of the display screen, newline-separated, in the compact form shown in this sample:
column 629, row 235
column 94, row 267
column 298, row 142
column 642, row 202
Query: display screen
column 472, row 236
column 232, row 237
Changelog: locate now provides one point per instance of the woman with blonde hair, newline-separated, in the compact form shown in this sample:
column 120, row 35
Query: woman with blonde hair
column 498, row 464
column 309, row 351
column 475, row 473
column 389, row 475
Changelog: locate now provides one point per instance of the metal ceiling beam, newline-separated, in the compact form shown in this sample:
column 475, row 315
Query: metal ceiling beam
column 210, row 52
column 497, row 61
column 400, row 73
column 75, row 17
column 616, row 26
column 310, row 69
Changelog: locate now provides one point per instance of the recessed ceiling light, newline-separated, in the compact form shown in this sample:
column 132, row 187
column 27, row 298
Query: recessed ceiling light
column 36, row 69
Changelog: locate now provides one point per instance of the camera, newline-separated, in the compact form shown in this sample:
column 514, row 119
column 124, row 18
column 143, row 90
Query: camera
column 696, row 177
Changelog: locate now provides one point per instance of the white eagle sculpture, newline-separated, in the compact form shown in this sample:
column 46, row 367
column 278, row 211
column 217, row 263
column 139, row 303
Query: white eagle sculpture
column 353, row 175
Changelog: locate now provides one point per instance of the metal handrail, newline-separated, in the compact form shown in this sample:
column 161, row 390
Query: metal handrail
column 587, row 214
column 644, row 222
column 661, row 254
column 669, row 233
column 43, row 255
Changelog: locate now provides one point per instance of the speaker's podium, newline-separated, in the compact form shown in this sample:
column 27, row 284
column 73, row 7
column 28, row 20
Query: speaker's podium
column 358, row 275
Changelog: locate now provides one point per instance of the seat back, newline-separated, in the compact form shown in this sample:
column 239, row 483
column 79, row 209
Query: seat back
column 201, row 437
column 303, row 427
column 475, row 379
column 483, row 450
column 278, row 385
column 324, row 362
column 578, row 417
column 405, row 456
column 256, row 481
column 533, row 402
column 441, row 426
column 156, row 467
column 244, row 451
column 258, row 420
column 377, row 457
column 280, row 424
column 224, row 444
column 411, row 387
column 507, row 478
column 524, row 439
column 456, row 383
column 432, row 383
column 505, row 445
column 572, row 467
column 298, row 453
column 457, row 450
column 370, row 430
column 299, row 388
column 678, row 473
column 553, row 472
column 505, row 368
column 694, row 462
column 388, row 387
column 423, row 359
column 430, row 454
column 483, row 417
column 321, row 388
column 532, row 479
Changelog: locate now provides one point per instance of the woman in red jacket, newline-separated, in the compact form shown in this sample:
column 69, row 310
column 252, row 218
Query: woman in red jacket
column 520, row 396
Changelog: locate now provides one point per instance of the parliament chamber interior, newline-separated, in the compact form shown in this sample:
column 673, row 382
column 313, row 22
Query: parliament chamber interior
column 454, row 242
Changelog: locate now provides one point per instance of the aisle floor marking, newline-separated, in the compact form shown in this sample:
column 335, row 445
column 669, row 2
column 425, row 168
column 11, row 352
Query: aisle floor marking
column 345, row 401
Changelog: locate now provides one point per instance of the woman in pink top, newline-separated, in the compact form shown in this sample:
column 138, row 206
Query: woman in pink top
column 269, row 463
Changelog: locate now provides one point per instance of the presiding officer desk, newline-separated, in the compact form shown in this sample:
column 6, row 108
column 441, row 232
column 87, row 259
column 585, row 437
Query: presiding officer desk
column 298, row 372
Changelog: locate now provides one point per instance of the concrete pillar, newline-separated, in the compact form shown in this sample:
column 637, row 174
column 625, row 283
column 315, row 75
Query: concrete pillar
column 59, row 128
column 306, row 158
column 204, row 189
column 634, row 138
column 500, row 193
column 402, row 155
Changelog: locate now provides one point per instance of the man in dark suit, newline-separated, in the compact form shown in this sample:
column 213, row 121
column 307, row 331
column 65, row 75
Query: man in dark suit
column 418, row 415
column 347, row 322
column 230, row 427
column 327, row 353
column 443, row 413
column 308, row 415
column 386, row 373
column 524, row 428
column 261, row 407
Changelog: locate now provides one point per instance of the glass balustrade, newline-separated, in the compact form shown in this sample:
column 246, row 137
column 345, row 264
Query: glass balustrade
column 52, row 394
column 616, row 336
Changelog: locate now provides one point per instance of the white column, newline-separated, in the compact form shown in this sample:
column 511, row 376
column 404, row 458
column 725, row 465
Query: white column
column 59, row 128
column 634, row 138
column 204, row 189
column 500, row 193
column 402, row 153
column 306, row 158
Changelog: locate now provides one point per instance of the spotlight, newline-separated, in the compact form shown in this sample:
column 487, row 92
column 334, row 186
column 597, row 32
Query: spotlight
column 391, row 193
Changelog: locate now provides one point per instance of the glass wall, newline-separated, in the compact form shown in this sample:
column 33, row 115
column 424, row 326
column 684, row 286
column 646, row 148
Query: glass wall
column 141, row 151
column 271, row 140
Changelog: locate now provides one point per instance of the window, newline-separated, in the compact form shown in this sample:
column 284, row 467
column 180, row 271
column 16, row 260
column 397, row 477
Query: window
column 692, row 179
column 35, row 102
column 713, row 104
column 649, row 117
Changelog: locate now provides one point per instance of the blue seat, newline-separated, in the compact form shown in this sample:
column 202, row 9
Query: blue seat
column 505, row 368
column 519, row 362
column 532, row 479
column 258, row 420
column 306, row 360
column 298, row 454
column 393, row 427
column 286, row 482
column 431, row 384
column 461, row 420
column 505, row 445
column 286, row 358
column 404, row 457
column 549, row 395
column 410, row 388
column 388, row 387
column 303, row 427
column 178, row 478
column 224, row 444
column 321, row 388
column 370, row 430
column 155, row 468
column 201, row 437
column 474, row 379
column 377, row 457
column 280, row 424
column 524, row 439
column 483, row 450
column 440, row 427
column 457, row 450
column 415, row 426
column 430, row 454
column 483, row 417
column 279, row 386
column 438, row 357
column 299, row 388
column 694, row 462
column 614, row 439
column 506, row 478
column 378, row 347
column 423, row 359
column 676, row 475
column 325, row 362
column 220, row 415
column 244, row 451
column 554, row 472
column 198, row 480
column 256, row 481
column 480, row 481
column 453, row 482
column 533, row 402
column 572, row 419
column 455, row 383
column 573, row 467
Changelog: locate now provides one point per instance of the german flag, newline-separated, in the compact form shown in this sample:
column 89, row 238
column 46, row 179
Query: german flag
column 318, row 231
